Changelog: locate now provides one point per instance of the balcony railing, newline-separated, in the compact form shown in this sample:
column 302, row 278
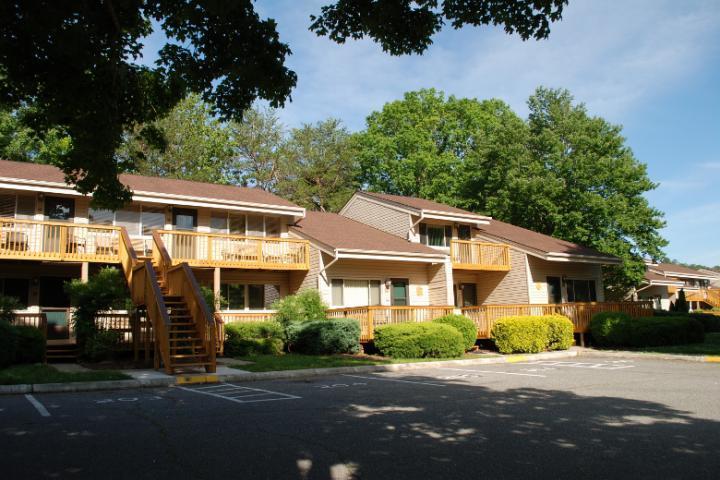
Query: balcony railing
column 235, row 251
column 471, row 255
column 580, row 314
column 374, row 316
column 58, row 241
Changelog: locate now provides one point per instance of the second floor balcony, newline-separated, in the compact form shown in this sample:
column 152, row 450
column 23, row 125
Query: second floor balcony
column 473, row 255
column 236, row 251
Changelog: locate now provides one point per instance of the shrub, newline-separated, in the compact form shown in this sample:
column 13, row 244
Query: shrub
column 8, row 305
column 30, row 344
column 8, row 344
column 340, row 335
column 253, row 338
column 100, row 346
column 211, row 299
column 462, row 324
column 419, row 340
column 710, row 322
column 524, row 334
column 611, row 328
column 624, row 331
column 306, row 306
column 560, row 336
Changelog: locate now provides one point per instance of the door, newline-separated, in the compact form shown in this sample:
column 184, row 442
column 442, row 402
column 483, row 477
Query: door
column 469, row 294
column 554, row 289
column 57, row 209
column 400, row 292
column 464, row 232
column 55, row 304
column 183, row 246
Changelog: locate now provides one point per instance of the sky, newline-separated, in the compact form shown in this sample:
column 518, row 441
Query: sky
column 652, row 66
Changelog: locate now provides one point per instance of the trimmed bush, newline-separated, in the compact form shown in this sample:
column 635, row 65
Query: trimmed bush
column 523, row 334
column 462, row 324
column 253, row 338
column 419, row 340
column 100, row 346
column 623, row 331
column 560, row 336
column 30, row 346
column 8, row 344
column 710, row 322
column 322, row 337
column 611, row 328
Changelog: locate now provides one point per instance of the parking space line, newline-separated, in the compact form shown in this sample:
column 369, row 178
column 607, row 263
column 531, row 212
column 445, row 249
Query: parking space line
column 38, row 406
column 235, row 393
column 493, row 371
column 395, row 380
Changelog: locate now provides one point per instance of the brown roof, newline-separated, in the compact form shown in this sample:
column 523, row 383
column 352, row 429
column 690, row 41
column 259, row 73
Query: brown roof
column 674, row 268
column 652, row 276
column 418, row 203
column 537, row 241
column 168, row 186
column 340, row 232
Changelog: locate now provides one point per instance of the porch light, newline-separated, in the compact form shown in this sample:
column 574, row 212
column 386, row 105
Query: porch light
column 388, row 283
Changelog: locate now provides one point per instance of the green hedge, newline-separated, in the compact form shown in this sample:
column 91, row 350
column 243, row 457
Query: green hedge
column 20, row 344
column 710, row 322
column 462, row 324
column 253, row 338
column 322, row 337
column 622, row 331
column 532, row 334
column 419, row 340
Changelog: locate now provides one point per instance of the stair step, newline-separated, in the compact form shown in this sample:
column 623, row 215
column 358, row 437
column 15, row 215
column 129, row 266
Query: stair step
column 189, row 339
column 188, row 355
column 193, row 364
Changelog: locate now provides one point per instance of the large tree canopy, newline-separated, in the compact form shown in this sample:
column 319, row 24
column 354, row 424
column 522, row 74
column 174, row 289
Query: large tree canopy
column 76, row 62
column 562, row 172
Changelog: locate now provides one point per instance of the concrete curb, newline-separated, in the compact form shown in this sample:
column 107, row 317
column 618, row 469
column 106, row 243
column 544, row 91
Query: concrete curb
column 260, row 376
column 648, row 355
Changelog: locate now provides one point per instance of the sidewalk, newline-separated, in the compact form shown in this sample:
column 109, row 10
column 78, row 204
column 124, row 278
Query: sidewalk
column 157, row 379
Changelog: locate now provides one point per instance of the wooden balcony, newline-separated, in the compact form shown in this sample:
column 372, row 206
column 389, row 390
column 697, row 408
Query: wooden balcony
column 472, row 255
column 580, row 314
column 58, row 241
column 236, row 251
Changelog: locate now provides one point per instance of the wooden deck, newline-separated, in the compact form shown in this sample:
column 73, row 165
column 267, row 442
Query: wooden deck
column 58, row 241
column 472, row 255
column 236, row 251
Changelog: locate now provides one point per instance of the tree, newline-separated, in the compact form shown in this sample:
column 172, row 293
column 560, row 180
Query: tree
column 76, row 62
column 23, row 144
column 257, row 143
column 189, row 143
column 562, row 172
column 681, row 305
column 319, row 166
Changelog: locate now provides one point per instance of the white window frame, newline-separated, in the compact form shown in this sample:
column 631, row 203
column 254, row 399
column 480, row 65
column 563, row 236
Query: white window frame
column 344, row 295
column 246, row 296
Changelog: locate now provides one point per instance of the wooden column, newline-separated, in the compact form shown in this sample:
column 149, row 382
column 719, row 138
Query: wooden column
column 216, row 286
column 84, row 271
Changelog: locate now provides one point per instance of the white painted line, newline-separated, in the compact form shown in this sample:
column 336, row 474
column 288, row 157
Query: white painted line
column 396, row 380
column 231, row 394
column 493, row 371
column 38, row 406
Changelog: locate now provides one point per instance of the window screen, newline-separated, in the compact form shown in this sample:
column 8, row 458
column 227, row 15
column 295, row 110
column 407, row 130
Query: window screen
column 152, row 219
column 272, row 227
column 130, row 219
column 7, row 206
column 218, row 222
column 272, row 294
column 237, row 224
column 234, row 296
column 337, row 292
column 255, row 226
column 374, row 292
column 256, row 297
column 26, row 206
column 101, row 216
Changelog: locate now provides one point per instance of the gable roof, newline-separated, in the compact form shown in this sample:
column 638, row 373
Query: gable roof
column 545, row 246
column 50, row 174
column 342, row 233
column 675, row 270
column 656, row 279
column 416, row 203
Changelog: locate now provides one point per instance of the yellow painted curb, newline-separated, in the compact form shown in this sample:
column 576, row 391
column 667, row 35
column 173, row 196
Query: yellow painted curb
column 516, row 358
column 189, row 380
column 712, row 359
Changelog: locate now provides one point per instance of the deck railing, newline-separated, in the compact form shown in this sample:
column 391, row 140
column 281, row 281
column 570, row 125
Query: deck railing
column 58, row 241
column 37, row 320
column 472, row 255
column 236, row 251
column 374, row 316
column 580, row 314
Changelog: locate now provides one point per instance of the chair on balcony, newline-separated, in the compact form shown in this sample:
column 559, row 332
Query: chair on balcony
column 241, row 252
column 105, row 246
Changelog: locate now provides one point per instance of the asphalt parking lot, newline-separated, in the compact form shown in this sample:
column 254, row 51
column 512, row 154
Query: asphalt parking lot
column 582, row 418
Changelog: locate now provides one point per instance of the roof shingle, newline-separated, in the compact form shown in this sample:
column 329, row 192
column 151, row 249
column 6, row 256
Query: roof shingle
column 419, row 203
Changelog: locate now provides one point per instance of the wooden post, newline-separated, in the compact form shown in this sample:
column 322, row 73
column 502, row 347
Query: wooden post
column 216, row 287
column 84, row 272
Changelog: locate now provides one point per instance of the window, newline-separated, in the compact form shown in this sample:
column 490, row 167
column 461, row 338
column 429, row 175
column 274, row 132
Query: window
column 255, row 226
column 17, row 206
column 581, row 291
column 17, row 288
column 101, row 216
column 253, row 297
column 272, row 227
column 469, row 294
column 464, row 232
column 435, row 235
column 399, row 292
column 237, row 224
column 7, row 206
column 355, row 293
column 130, row 219
column 59, row 208
column 152, row 218
column 554, row 290
column 218, row 222
column 184, row 219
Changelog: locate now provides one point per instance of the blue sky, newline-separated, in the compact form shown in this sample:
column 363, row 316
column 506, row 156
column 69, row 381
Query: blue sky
column 652, row 66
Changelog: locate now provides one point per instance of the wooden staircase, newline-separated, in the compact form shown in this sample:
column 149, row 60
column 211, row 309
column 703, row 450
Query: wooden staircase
column 62, row 353
column 187, row 349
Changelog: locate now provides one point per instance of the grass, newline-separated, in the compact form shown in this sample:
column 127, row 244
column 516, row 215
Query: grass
column 711, row 346
column 294, row 361
column 39, row 373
